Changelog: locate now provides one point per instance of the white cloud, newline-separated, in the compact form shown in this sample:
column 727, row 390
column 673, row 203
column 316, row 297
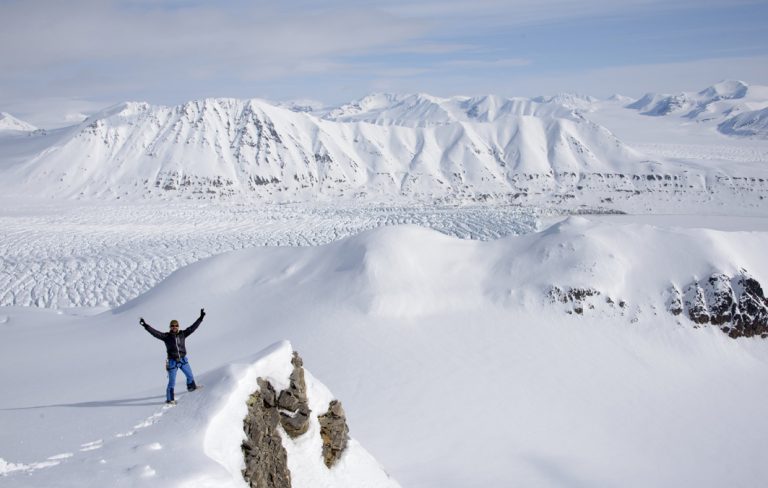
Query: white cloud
column 88, row 31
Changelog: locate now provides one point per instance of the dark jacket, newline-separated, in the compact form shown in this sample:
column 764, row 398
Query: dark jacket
column 174, row 343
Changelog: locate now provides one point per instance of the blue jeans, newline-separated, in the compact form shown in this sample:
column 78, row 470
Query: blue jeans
column 173, row 367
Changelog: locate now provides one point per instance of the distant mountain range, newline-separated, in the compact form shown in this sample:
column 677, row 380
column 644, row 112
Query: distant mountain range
column 383, row 147
column 735, row 107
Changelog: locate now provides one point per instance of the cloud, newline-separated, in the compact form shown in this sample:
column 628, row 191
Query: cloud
column 63, row 33
column 510, row 13
column 485, row 64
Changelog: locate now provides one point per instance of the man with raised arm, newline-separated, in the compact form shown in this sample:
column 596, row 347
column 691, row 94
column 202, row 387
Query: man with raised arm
column 177, row 353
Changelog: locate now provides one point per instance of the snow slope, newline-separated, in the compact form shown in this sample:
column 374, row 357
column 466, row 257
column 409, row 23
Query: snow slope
column 454, row 366
column 197, row 443
column 752, row 123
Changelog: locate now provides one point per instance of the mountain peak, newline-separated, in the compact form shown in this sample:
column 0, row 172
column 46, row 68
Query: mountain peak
column 11, row 123
column 726, row 89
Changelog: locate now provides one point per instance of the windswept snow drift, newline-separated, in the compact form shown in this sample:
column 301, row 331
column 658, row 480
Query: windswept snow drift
column 454, row 367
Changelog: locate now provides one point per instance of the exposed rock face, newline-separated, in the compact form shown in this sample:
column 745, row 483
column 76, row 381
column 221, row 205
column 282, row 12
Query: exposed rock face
column 695, row 304
column 735, row 304
column 581, row 299
column 334, row 431
column 675, row 301
column 266, row 462
column 294, row 408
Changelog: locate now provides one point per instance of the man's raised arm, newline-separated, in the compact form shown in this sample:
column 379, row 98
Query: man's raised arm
column 148, row 328
column 197, row 323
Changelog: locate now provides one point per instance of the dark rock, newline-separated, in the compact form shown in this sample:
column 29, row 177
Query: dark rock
column 293, row 404
column 720, row 299
column 751, row 317
column 572, row 295
column 697, row 306
column 675, row 302
column 578, row 297
column 266, row 462
column 265, row 458
column 736, row 304
column 334, row 431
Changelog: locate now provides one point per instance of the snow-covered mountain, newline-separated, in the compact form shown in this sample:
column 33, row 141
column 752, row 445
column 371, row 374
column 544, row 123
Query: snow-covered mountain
column 10, row 123
column 382, row 148
column 752, row 123
column 484, row 147
column 573, row 101
column 737, row 108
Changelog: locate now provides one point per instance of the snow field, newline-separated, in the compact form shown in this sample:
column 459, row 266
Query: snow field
column 453, row 367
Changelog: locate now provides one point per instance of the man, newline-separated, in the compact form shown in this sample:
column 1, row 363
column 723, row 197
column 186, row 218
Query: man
column 177, row 353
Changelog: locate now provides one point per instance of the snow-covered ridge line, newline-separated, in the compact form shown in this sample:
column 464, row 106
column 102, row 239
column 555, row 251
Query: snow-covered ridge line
column 577, row 266
column 423, row 110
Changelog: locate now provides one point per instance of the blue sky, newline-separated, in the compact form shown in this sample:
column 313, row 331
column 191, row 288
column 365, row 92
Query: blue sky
column 62, row 58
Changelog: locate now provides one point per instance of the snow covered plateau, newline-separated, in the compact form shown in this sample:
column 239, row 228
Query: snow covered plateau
column 558, row 291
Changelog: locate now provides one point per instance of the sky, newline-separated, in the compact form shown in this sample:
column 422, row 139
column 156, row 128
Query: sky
column 62, row 59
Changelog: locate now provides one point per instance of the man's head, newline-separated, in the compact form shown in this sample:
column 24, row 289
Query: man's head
column 174, row 325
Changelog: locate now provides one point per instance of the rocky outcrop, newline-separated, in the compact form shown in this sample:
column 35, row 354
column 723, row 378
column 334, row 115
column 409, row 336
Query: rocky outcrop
column 293, row 404
column 675, row 301
column 266, row 462
column 580, row 299
column 735, row 304
column 334, row 431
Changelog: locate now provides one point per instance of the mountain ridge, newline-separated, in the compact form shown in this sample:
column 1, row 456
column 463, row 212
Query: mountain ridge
column 735, row 107
column 233, row 146
column 381, row 148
